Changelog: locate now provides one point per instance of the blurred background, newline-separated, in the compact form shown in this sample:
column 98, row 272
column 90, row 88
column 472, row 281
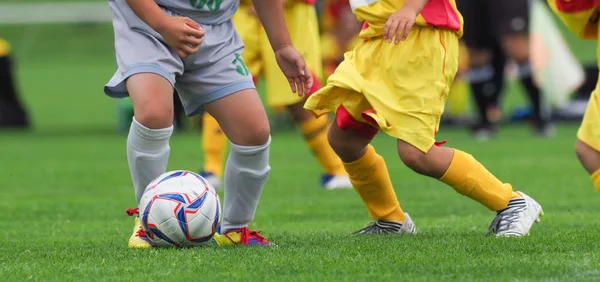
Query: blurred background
column 61, row 53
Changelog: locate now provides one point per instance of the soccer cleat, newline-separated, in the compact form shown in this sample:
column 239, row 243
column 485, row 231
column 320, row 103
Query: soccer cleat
column 517, row 218
column 389, row 227
column 242, row 236
column 138, row 239
column 212, row 179
column 332, row 182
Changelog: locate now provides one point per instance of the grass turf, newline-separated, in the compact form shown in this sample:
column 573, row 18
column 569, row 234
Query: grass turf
column 66, row 187
column 65, row 194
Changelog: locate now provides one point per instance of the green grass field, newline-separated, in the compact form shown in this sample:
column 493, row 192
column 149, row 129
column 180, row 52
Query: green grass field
column 66, row 187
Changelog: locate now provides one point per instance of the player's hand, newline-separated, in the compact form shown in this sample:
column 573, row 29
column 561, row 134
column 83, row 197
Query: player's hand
column 293, row 66
column 399, row 24
column 182, row 34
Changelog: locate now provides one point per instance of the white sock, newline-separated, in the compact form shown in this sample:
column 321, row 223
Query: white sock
column 147, row 154
column 246, row 172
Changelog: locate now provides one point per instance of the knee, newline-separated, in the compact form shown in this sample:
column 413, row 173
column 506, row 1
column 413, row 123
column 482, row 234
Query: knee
column 154, row 115
column 257, row 135
column 347, row 149
column 338, row 146
column 413, row 158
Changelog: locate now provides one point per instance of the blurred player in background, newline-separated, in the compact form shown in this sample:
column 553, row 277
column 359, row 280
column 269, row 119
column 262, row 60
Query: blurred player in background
column 397, row 80
column 12, row 112
column 494, row 31
column 157, row 49
column 340, row 33
column 458, row 97
column 581, row 17
column 301, row 19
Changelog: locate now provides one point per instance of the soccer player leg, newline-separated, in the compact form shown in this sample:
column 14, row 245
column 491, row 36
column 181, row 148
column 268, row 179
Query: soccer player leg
column 368, row 174
column 247, row 166
column 314, row 131
column 415, row 120
column 588, row 139
column 511, row 27
column 349, row 136
column 148, row 141
column 214, row 141
column 146, row 73
column 224, row 88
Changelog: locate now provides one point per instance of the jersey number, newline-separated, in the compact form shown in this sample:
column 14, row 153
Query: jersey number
column 211, row 5
column 240, row 66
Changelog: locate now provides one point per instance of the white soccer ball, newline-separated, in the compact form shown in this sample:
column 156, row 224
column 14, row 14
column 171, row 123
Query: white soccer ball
column 180, row 208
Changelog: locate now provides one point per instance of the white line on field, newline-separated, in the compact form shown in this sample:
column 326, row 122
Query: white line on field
column 68, row 12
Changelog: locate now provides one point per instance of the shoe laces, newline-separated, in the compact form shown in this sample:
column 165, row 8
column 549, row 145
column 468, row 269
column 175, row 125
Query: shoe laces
column 371, row 228
column 141, row 233
column 246, row 235
column 136, row 211
column 381, row 227
column 506, row 218
column 132, row 212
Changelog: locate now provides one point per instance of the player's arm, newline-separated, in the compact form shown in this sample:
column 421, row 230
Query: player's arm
column 271, row 16
column 401, row 22
column 181, row 33
column 290, row 61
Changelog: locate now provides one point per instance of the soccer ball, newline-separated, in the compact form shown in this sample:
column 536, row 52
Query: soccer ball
column 180, row 208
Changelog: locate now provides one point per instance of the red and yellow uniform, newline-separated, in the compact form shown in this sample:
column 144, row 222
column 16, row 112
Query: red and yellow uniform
column 339, row 35
column 581, row 17
column 400, row 89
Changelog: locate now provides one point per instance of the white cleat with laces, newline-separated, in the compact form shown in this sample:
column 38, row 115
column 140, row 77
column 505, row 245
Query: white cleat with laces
column 517, row 218
column 389, row 227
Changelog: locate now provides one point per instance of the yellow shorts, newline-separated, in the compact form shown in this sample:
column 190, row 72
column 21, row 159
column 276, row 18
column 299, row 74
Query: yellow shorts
column 301, row 19
column 400, row 89
column 589, row 131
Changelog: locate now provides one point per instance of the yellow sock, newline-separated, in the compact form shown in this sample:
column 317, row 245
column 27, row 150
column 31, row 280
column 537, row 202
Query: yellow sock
column 468, row 177
column 315, row 135
column 370, row 178
column 596, row 179
column 214, row 145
